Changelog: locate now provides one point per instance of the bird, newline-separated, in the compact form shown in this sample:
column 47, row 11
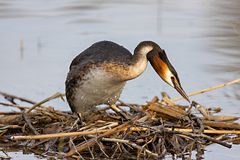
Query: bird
column 99, row 73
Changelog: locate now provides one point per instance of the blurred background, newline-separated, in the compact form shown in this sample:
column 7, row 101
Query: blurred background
column 39, row 39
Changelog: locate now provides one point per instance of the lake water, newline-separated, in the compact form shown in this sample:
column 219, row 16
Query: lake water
column 202, row 39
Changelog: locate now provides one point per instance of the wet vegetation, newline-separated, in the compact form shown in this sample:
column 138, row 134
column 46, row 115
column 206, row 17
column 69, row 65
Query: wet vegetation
column 154, row 130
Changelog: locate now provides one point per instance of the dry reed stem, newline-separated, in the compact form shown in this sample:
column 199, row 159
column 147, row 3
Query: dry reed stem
column 10, row 113
column 206, row 131
column 97, row 131
column 112, row 124
column 57, row 135
column 134, row 145
column 28, row 122
column 56, row 95
column 16, row 97
column 222, row 124
column 92, row 141
column 219, row 118
column 166, row 111
column 3, row 126
column 119, row 111
column 208, row 89
column 13, row 105
column 193, row 135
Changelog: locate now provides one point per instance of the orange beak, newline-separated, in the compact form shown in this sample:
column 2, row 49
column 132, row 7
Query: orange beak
column 166, row 71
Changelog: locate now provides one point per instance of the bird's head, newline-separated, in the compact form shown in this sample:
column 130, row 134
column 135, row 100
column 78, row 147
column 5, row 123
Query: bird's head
column 158, row 59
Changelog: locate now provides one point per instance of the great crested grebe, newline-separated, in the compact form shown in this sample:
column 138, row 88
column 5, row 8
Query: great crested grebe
column 98, row 74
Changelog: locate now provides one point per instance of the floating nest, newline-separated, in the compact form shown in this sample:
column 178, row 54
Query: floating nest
column 154, row 130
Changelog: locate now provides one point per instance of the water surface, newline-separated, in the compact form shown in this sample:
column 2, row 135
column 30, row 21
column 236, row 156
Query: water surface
column 40, row 38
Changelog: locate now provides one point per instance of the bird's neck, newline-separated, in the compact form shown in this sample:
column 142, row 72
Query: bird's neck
column 138, row 65
column 139, row 62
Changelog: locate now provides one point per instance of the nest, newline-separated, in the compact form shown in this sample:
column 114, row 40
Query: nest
column 154, row 130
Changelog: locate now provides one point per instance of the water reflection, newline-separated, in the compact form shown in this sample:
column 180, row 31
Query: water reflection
column 225, row 35
column 21, row 49
column 40, row 38
column 224, row 40
column 7, row 10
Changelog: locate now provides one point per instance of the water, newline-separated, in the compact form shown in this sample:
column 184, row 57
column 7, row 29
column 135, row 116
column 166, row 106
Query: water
column 40, row 38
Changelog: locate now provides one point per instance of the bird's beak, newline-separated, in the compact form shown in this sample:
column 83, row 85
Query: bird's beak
column 179, row 88
column 165, row 70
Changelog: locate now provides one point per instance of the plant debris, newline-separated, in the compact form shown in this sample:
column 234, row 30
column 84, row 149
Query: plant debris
column 121, row 131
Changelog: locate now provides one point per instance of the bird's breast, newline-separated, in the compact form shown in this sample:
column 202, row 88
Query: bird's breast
column 97, row 87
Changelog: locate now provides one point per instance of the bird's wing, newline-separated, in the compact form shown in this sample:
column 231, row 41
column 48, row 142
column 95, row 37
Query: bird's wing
column 103, row 51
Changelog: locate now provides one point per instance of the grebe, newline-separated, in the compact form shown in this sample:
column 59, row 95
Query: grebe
column 99, row 73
